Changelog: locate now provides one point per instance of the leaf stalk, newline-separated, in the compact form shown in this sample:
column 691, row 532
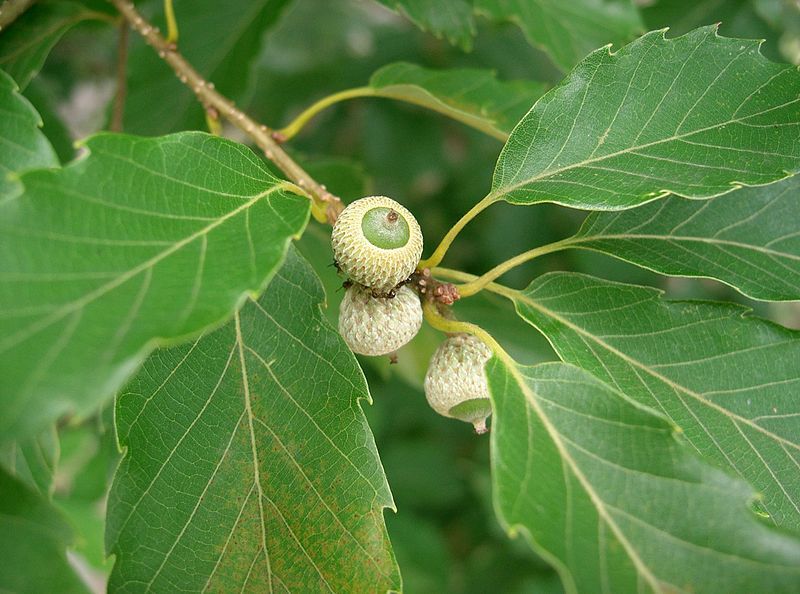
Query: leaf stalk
column 458, row 275
column 118, row 110
column 297, row 124
column 439, row 253
column 172, row 23
column 479, row 283
column 11, row 9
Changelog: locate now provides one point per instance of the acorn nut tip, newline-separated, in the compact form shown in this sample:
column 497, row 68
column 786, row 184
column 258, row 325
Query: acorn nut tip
column 455, row 385
column 377, row 243
column 376, row 325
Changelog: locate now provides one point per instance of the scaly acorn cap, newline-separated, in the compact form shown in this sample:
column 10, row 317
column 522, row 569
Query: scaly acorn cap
column 378, row 325
column 456, row 385
column 377, row 243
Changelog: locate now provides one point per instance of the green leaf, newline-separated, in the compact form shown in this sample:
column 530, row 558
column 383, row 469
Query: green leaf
column 568, row 31
column 25, row 45
column 604, row 490
column 696, row 116
column 24, row 145
column 728, row 381
column 33, row 540
column 749, row 240
column 474, row 97
column 451, row 19
column 33, row 460
column 254, row 441
column 220, row 39
column 132, row 246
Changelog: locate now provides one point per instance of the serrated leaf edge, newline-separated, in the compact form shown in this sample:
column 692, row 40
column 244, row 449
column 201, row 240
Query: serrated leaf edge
column 734, row 185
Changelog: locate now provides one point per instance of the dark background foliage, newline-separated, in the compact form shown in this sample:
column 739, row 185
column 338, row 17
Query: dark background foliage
column 444, row 533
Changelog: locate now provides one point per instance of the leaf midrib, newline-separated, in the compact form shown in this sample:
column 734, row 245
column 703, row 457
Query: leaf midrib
column 687, row 238
column 256, row 466
column 599, row 504
column 520, row 296
column 268, row 368
column 603, row 508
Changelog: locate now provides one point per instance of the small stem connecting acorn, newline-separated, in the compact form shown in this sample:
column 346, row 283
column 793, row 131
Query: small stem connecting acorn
column 426, row 285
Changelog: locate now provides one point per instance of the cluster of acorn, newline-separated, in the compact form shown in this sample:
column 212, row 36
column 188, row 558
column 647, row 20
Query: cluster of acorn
column 377, row 244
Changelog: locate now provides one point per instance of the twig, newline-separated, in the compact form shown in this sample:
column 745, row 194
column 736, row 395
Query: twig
column 11, row 9
column 429, row 287
column 210, row 98
column 122, row 79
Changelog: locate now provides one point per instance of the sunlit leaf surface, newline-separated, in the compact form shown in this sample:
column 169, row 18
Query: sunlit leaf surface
column 135, row 244
column 696, row 116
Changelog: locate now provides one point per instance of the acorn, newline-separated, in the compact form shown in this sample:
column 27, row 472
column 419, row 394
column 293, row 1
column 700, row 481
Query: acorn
column 377, row 243
column 456, row 385
column 378, row 325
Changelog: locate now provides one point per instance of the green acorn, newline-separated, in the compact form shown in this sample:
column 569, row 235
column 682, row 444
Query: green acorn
column 455, row 384
column 377, row 243
column 378, row 325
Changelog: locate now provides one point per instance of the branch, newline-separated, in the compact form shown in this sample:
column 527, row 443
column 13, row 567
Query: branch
column 118, row 112
column 213, row 101
column 11, row 9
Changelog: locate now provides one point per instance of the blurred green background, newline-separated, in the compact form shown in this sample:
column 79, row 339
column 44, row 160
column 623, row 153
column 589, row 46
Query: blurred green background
column 444, row 532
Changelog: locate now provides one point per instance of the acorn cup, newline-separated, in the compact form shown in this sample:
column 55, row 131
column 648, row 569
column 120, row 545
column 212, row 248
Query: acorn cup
column 378, row 325
column 455, row 384
column 377, row 243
